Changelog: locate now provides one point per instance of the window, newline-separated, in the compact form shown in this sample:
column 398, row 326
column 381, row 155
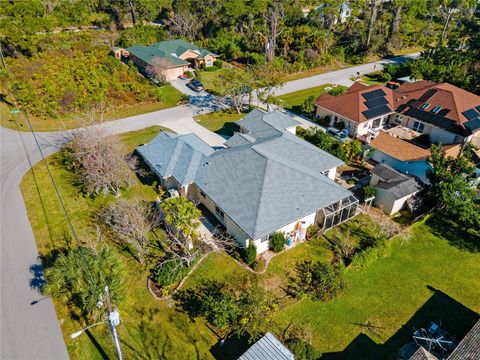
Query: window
column 376, row 123
column 436, row 109
column 398, row 119
column 424, row 106
column 418, row 126
column 203, row 194
column 265, row 238
column 219, row 212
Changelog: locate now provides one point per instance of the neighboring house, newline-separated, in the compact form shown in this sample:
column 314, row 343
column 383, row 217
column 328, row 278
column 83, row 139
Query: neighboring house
column 267, row 180
column 401, row 155
column 393, row 189
column 443, row 112
column 267, row 348
column 344, row 12
column 178, row 56
column 404, row 156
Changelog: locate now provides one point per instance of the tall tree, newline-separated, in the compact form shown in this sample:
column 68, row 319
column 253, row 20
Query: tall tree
column 373, row 5
column 236, row 85
column 273, row 17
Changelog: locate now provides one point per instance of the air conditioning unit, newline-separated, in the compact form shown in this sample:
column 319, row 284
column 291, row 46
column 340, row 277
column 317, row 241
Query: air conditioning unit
column 172, row 193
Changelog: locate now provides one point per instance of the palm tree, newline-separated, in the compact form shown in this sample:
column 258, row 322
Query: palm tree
column 77, row 277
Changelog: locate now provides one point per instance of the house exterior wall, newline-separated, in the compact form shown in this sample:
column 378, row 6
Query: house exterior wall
column 388, row 203
column 287, row 229
column 435, row 134
column 292, row 130
column 417, row 168
column 173, row 73
column 332, row 173
column 355, row 129
column 189, row 54
column 475, row 139
column 232, row 228
column 209, row 59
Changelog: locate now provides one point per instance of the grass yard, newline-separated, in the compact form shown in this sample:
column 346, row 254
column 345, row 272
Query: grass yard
column 294, row 101
column 208, row 78
column 150, row 329
column 220, row 122
column 70, row 121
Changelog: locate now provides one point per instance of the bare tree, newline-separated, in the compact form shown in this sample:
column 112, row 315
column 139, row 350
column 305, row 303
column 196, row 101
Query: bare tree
column 156, row 69
column 371, row 22
column 272, row 18
column 236, row 85
column 99, row 161
column 185, row 24
column 129, row 220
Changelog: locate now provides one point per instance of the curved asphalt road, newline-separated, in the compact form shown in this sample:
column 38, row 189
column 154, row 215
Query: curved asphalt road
column 29, row 326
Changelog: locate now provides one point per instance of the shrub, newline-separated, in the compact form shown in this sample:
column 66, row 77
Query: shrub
column 250, row 254
column 370, row 254
column 278, row 242
column 211, row 68
column 321, row 281
column 188, row 75
column 303, row 350
column 313, row 231
column 337, row 90
column 168, row 273
column 368, row 192
column 218, row 64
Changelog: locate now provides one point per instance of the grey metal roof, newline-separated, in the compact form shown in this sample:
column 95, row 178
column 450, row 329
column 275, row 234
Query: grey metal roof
column 387, row 173
column 269, row 184
column 175, row 155
column 267, row 348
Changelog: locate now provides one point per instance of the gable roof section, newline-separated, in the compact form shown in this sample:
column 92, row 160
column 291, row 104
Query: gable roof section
column 422, row 354
column 169, row 50
column 398, row 148
column 353, row 103
column 267, row 348
column 260, row 124
column 175, row 155
column 269, row 184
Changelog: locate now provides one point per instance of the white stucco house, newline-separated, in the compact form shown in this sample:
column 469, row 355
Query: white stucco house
column 266, row 180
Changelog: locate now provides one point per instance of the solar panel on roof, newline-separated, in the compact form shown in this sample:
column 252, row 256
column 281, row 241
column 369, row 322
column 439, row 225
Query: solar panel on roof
column 478, row 108
column 380, row 110
column 428, row 95
column 470, row 114
column 473, row 124
column 376, row 102
column 373, row 94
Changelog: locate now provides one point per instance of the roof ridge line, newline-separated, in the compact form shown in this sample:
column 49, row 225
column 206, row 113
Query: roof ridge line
column 261, row 192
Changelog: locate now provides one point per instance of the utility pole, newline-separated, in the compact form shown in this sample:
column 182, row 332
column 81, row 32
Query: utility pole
column 113, row 321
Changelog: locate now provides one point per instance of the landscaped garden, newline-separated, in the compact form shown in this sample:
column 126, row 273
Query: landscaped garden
column 385, row 281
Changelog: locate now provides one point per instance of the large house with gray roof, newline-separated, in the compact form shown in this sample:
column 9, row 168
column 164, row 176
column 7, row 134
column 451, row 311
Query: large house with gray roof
column 177, row 55
column 266, row 180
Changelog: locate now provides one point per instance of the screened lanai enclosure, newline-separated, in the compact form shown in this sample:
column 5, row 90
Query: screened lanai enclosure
column 337, row 212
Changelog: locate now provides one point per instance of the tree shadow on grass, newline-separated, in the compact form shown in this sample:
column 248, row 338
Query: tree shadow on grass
column 228, row 129
column 440, row 308
column 232, row 348
column 462, row 237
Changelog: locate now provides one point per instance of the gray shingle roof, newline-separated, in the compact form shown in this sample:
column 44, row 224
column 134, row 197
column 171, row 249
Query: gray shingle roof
column 258, row 121
column 175, row 155
column 422, row 354
column 267, row 348
column 395, row 183
column 261, row 183
column 469, row 347
column 269, row 184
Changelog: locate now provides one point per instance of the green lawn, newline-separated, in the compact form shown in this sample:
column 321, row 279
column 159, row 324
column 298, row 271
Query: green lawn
column 150, row 329
column 293, row 101
column 70, row 121
column 221, row 122
column 208, row 78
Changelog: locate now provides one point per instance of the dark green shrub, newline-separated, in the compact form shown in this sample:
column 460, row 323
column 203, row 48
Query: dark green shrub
column 277, row 242
column 321, row 281
column 218, row 64
column 168, row 274
column 303, row 350
column 250, row 254
column 211, row 68
column 188, row 75
column 337, row 90
column 313, row 231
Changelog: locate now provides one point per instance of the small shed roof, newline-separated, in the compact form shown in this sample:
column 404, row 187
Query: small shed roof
column 267, row 348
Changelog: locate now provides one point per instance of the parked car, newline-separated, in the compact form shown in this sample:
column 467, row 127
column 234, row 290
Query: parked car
column 195, row 85
column 341, row 135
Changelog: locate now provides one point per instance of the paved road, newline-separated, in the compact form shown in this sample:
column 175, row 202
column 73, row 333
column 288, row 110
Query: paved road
column 32, row 331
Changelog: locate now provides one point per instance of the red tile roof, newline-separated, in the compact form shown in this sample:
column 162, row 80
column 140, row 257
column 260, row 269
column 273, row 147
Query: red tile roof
column 351, row 103
column 452, row 99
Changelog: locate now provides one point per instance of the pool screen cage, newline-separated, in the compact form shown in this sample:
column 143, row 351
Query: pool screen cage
column 337, row 212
